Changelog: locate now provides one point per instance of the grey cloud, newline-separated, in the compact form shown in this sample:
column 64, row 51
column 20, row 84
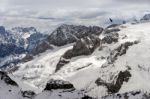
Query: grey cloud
column 77, row 11
column 90, row 14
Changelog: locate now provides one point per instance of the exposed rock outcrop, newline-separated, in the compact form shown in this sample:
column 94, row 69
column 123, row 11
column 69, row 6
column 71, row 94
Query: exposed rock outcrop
column 2, row 29
column 146, row 17
column 111, row 34
column 17, row 41
column 58, row 84
column 110, row 38
column 27, row 58
column 7, row 79
column 119, row 51
column 129, row 95
column 115, row 86
column 42, row 47
column 8, row 49
column 87, row 97
column 66, row 34
column 27, row 94
column 84, row 46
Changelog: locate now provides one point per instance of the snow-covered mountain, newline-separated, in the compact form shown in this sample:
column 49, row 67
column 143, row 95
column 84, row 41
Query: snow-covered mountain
column 66, row 34
column 17, row 41
column 79, row 62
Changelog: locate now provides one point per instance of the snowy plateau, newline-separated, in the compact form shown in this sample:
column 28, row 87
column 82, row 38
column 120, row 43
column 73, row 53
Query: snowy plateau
column 76, row 62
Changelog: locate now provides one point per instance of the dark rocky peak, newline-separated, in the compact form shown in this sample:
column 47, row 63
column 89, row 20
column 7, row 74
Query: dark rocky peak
column 43, row 46
column 2, row 29
column 111, row 34
column 34, row 40
column 8, row 49
column 4, row 33
column 7, row 79
column 24, row 29
column 146, row 17
column 58, row 84
column 84, row 46
column 66, row 34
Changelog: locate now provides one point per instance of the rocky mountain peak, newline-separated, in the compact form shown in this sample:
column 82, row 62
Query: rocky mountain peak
column 24, row 29
column 2, row 29
column 71, row 33
column 66, row 34
column 146, row 17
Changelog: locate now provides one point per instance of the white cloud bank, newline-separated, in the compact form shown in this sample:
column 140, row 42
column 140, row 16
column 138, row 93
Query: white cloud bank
column 91, row 12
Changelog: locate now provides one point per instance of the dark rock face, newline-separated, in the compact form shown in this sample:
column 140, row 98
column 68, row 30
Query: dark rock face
column 111, row 34
column 128, row 95
column 27, row 58
column 87, row 97
column 115, row 87
column 7, row 79
column 66, row 34
column 112, row 30
column 7, row 45
column 27, row 37
column 28, row 94
column 42, row 48
column 146, row 17
column 112, row 26
column 112, row 37
column 8, row 49
column 34, row 40
column 24, row 29
column 16, row 41
column 58, row 84
column 84, row 46
column 121, row 50
column 2, row 29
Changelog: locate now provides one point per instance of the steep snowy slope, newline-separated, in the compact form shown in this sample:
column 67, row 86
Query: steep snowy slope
column 119, row 65
column 38, row 71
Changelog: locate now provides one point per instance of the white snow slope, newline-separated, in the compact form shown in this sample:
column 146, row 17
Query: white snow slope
column 83, row 71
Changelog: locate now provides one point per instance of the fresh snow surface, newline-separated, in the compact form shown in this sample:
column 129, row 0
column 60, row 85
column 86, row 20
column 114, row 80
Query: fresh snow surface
column 82, row 71
column 9, row 91
column 137, row 55
column 37, row 72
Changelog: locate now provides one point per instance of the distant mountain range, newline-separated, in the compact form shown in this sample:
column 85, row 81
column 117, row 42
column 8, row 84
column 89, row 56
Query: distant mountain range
column 18, row 40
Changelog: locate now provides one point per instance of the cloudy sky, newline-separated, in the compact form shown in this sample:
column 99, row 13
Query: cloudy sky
column 79, row 11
